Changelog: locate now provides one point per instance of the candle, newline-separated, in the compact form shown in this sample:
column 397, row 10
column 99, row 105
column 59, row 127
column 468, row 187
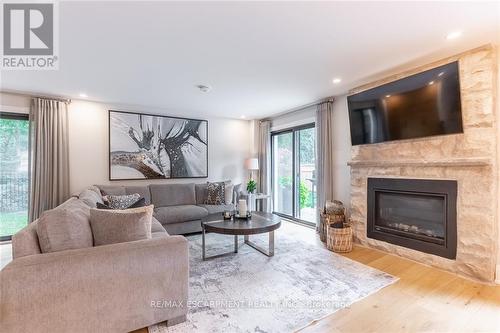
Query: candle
column 242, row 206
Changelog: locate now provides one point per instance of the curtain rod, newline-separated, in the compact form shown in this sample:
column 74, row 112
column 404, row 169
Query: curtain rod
column 34, row 95
column 299, row 108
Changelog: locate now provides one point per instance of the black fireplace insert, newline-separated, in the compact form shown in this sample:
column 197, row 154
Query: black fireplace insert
column 419, row 214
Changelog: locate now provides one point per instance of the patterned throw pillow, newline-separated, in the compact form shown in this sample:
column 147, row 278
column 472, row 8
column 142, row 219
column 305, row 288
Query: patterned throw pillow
column 139, row 203
column 122, row 201
column 215, row 194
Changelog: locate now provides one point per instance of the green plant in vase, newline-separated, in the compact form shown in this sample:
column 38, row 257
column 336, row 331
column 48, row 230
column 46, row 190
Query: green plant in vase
column 251, row 186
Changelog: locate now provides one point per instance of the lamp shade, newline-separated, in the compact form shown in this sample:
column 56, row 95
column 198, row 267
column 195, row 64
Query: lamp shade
column 252, row 164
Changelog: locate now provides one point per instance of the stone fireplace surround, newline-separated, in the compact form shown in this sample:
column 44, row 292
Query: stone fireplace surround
column 469, row 158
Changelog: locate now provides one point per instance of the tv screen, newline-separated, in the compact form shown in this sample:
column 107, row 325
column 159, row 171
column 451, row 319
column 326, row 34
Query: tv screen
column 425, row 104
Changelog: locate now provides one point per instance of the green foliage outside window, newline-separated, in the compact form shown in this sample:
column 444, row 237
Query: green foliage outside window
column 13, row 142
column 305, row 195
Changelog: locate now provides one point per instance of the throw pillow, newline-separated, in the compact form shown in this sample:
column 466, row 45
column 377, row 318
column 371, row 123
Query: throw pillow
column 119, row 226
column 122, row 201
column 66, row 227
column 215, row 194
column 139, row 203
column 90, row 197
column 102, row 206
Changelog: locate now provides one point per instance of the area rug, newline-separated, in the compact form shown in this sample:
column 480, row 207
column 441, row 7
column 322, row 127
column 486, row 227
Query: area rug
column 250, row 292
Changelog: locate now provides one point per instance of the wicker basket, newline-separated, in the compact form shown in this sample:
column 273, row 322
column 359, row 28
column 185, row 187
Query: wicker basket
column 339, row 239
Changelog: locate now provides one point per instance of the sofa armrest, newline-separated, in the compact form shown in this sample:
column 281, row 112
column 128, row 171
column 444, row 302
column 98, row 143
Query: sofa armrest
column 107, row 288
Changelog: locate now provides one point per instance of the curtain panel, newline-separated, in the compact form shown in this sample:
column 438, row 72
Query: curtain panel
column 324, row 153
column 264, row 154
column 49, row 185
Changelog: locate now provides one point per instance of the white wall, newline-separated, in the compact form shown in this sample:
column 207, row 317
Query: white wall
column 293, row 119
column 229, row 143
column 14, row 103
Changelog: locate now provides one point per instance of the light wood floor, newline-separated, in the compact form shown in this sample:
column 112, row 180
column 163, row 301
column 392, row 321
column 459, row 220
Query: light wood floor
column 425, row 299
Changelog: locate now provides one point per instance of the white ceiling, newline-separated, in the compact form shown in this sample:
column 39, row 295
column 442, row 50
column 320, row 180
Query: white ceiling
column 260, row 58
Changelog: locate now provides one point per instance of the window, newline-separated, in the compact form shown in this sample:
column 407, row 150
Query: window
column 14, row 175
column 294, row 173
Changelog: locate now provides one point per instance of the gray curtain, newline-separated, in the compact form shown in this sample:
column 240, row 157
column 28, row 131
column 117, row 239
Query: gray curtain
column 324, row 154
column 49, row 185
column 264, row 155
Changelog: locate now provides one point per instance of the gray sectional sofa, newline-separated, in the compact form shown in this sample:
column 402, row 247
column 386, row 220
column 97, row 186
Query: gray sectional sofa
column 108, row 288
column 178, row 207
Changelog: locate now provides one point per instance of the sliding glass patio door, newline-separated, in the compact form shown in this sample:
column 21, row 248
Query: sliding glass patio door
column 294, row 174
column 14, row 175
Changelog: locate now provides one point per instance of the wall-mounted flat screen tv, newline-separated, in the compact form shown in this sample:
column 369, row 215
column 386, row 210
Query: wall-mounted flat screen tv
column 421, row 105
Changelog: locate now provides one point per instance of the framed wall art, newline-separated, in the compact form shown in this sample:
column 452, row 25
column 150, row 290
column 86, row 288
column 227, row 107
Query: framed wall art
column 145, row 146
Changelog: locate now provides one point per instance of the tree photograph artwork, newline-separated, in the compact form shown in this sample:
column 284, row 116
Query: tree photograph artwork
column 143, row 146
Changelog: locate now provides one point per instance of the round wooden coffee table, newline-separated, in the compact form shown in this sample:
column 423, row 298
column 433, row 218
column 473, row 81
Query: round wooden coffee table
column 259, row 223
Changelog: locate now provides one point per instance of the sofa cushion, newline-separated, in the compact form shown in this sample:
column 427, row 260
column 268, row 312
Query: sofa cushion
column 218, row 208
column 156, row 225
column 172, row 194
column 25, row 242
column 65, row 227
column 181, row 213
column 90, row 197
column 112, row 190
column 119, row 226
column 201, row 193
column 143, row 191
column 157, row 229
column 183, row 227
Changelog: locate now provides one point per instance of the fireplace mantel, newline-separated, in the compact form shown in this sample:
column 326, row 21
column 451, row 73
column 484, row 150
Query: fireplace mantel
column 453, row 162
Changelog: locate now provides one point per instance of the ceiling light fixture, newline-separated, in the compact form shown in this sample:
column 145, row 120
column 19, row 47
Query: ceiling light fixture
column 441, row 74
column 453, row 35
column 83, row 95
column 243, row 117
column 203, row 88
column 431, row 83
column 336, row 80
column 387, row 96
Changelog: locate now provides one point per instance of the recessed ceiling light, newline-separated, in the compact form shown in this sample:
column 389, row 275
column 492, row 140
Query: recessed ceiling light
column 83, row 95
column 336, row 80
column 454, row 34
column 431, row 83
column 387, row 96
column 441, row 74
column 203, row 88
